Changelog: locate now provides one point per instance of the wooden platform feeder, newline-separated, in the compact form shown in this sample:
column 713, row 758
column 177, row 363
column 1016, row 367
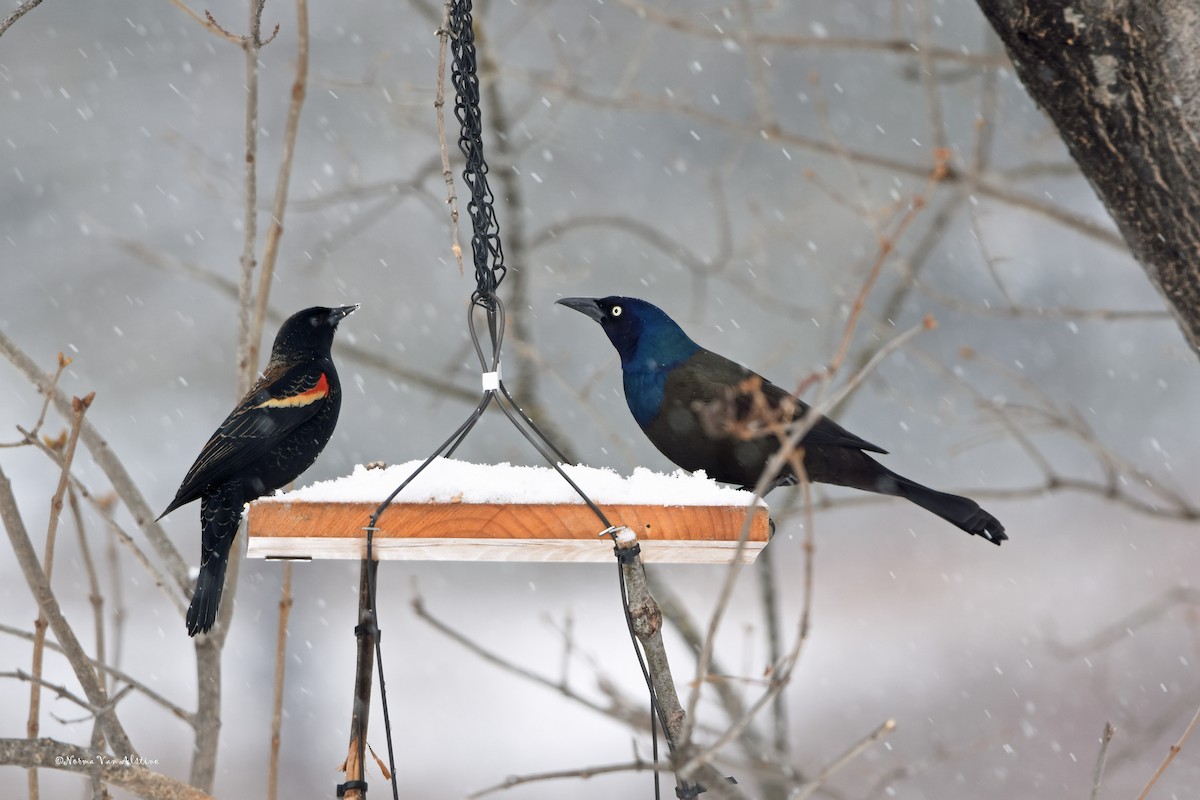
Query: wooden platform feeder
column 456, row 511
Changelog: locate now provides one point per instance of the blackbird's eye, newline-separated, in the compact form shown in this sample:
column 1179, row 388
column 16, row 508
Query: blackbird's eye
column 615, row 311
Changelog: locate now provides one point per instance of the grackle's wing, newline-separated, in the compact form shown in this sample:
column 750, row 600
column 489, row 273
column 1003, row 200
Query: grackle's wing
column 282, row 400
column 720, row 371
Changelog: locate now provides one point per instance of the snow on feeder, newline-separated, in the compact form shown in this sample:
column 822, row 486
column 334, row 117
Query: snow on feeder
column 458, row 511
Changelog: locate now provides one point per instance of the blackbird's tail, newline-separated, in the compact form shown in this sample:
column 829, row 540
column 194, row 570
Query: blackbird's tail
column 202, row 613
column 962, row 512
column 220, row 515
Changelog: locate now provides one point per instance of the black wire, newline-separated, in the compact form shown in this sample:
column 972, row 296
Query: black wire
column 387, row 721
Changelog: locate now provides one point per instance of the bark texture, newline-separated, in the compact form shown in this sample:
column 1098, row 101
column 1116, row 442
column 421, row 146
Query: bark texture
column 1121, row 80
column 125, row 772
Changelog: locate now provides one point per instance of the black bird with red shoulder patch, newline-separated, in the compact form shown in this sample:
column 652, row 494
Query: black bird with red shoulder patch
column 275, row 433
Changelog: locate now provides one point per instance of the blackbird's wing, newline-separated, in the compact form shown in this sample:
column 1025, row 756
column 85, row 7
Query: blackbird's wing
column 281, row 401
column 824, row 433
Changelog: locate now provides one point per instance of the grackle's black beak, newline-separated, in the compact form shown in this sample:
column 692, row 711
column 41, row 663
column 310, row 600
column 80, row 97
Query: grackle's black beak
column 584, row 305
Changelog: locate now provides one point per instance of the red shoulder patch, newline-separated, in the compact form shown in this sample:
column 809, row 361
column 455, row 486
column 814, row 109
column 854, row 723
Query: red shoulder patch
column 307, row 397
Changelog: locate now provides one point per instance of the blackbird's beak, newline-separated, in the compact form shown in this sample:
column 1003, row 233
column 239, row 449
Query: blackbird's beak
column 336, row 315
column 584, row 305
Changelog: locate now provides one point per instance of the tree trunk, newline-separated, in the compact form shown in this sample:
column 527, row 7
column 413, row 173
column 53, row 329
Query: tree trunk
column 1121, row 80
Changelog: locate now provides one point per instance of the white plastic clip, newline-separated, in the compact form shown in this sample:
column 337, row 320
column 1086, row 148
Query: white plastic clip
column 491, row 380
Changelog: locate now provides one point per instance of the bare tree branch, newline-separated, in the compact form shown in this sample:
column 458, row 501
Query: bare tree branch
column 283, row 179
column 633, row 102
column 281, row 637
column 79, row 406
column 114, row 673
column 845, row 758
column 895, row 46
column 104, row 509
column 131, row 775
column 1171, row 753
column 27, row 558
column 21, row 10
column 439, row 105
column 207, row 22
column 1101, row 759
column 108, row 462
column 582, row 773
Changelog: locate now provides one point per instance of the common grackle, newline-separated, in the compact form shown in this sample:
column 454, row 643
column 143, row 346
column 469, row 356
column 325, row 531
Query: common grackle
column 275, row 433
column 701, row 411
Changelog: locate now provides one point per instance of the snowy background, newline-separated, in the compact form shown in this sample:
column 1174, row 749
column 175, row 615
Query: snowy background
column 121, row 138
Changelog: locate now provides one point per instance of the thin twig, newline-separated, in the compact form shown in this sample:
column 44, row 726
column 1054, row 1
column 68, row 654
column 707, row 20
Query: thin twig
column 80, row 407
column 1119, row 629
column 96, row 598
column 1171, row 753
column 781, row 671
column 63, row 363
column 893, row 46
column 250, row 44
column 281, row 636
column 439, row 105
column 770, row 610
column 60, row 691
column 103, row 508
column 625, row 713
column 275, row 228
column 366, row 356
column 887, row 244
column 116, row 594
column 207, row 22
column 582, row 773
column 930, row 82
column 1101, row 759
column 93, row 687
column 108, row 462
column 756, row 66
column 113, row 672
column 636, row 102
column 845, row 758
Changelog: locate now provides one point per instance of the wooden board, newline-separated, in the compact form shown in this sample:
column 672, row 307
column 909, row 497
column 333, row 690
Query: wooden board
column 501, row 532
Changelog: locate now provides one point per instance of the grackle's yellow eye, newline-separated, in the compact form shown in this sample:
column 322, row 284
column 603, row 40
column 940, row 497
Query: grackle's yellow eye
column 616, row 311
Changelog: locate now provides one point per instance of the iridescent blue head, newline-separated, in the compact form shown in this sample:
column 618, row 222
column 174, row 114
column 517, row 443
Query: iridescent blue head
column 645, row 337
column 648, row 341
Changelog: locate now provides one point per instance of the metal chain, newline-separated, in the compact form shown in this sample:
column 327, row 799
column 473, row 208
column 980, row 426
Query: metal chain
column 486, row 251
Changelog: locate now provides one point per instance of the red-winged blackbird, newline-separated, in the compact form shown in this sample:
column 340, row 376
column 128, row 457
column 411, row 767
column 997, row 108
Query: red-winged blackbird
column 275, row 433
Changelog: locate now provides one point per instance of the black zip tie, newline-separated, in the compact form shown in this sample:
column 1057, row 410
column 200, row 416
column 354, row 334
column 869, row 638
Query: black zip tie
column 342, row 788
column 628, row 555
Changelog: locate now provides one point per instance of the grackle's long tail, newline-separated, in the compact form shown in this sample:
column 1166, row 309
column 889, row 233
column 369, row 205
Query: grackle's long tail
column 963, row 512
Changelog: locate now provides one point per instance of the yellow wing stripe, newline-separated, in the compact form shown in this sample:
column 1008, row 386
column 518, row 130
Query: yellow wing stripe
column 318, row 392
